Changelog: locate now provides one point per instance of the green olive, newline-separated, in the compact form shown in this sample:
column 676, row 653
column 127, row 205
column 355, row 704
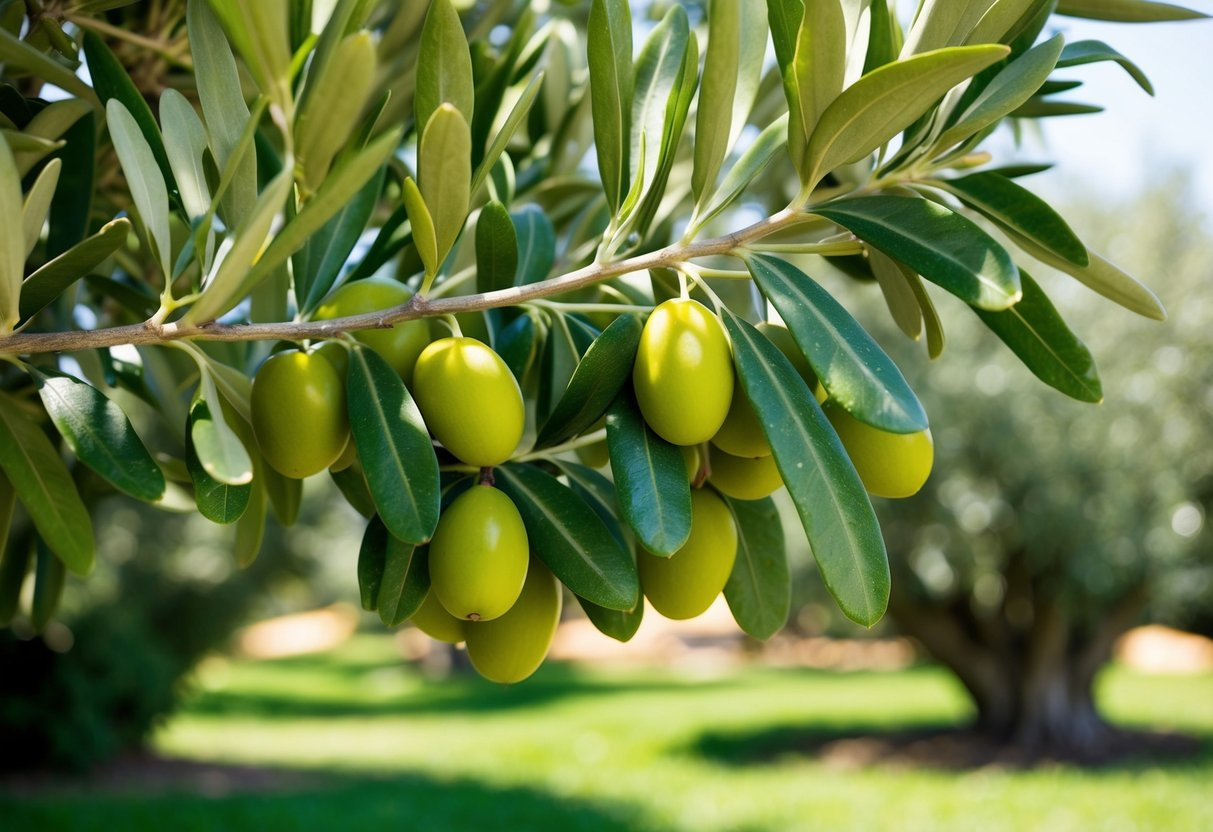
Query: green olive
column 744, row 478
column 478, row 556
column 432, row 619
column 741, row 434
column 890, row 464
column 686, row 583
column 511, row 648
column 469, row 400
column 398, row 345
column 683, row 375
column 298, row 410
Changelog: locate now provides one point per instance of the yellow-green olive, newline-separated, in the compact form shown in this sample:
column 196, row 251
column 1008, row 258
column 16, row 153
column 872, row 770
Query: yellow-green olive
column 890, row 464
column 686, row 583
column 511, row 648
column 741, row 434
column 299, row 416
column 744, row 478
column 432, row 619
column 398, row 345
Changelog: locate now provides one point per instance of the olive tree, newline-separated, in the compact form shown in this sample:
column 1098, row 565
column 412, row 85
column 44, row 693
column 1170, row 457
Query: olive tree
column 240, row 229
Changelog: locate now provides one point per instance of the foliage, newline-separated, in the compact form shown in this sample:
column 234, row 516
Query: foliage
column 286, row 152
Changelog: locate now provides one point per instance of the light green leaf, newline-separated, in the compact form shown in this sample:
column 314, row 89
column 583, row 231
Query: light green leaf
column 1014, row 85
column 746, row 169
column 759, row 589
column 222, row 454
column 250, row 527
column 444, row 174
column 1126, row 11
column 17, row 53
column 143, row 177
column 422, row 225
column 394, row 447
column 818, row 67
column 894, row 279
column 12, row 241
column 886, row 101
column 850, row 365
column 610, row 59
column 934, row 327
column 714, row 120
column 941, row 23
column 1036, row 333
column 833, row 506
column 1093, row 51
column 38, row 205
column 521, row 108
column 261, row 33
column 971, row 266
column 658, row 69
column 45, row 487
column 1004, row 21
column 444, row 67
column 217, row 501
column 185, row 142
column 340, row 94
column 101, row 436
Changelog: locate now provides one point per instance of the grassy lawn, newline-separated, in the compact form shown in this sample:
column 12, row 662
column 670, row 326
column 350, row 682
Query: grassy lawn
column 572, row 749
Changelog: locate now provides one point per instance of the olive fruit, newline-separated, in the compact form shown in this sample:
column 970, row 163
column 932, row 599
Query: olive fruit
column 470, row 400
column 786, row 344
column 890, row 464
column 432, row 619
column 298, row 410
column 478, row 555
column 741, row 434
column 398, row 345
column 744, row 478
column 511, row 648
column 683, row 375
column 686, row 583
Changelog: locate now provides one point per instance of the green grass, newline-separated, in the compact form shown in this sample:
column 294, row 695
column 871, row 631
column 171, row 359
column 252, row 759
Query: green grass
column 620, row 750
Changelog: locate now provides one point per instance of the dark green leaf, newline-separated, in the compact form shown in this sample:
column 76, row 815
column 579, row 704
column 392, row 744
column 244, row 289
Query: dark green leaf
column 49, row 281
column 444, row 66
column 1018, row 209
column 620, row 625
column 1093, row 51
column 851, row 366
column 217, row 501
column 571, row 539
column 610, row 59
column 285, row 494
column 599, row 494
column 352, row 484
column 536, row 244
column 759, row 590
column 650, row 479
column 603, row 370
column 318, row 264
column 250, row 528
column 1126, row 11
column 829, row 497
column 939, row 244
column 101, row 436
column 1035, row 332
column 1037, row 107
column 49, row 578
column 45, row 487
column 496, row 248
column 372, row 559
column 73, row 202
column 403, row 574
column 884, row 39
column 14, row 555
column 394, row 446
column 516, row 345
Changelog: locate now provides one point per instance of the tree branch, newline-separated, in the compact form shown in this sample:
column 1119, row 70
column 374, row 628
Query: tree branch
column 417, row 307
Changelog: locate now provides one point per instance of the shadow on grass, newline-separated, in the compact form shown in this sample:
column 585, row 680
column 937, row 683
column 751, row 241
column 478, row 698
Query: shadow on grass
column 182, row 795
column 456, row 694
column 944, row 747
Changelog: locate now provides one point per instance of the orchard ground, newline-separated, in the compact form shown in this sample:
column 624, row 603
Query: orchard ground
column 356, row 738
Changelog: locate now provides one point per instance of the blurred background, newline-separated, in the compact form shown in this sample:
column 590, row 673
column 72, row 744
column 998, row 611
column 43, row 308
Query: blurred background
column 1046, row 663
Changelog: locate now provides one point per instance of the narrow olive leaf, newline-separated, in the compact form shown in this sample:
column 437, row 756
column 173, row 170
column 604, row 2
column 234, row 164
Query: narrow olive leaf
column 894, row 280
column 223, row 105
column 49, row 579
column 372, row 560
column 818, row 67
column 1017, row 209
column 650, row 479
column 405, row 581
column 747, row 167
column 444, row 174
column 1103, row 277
column 600, row 495
column 940, row 23
column 658, row 69
column 261, row 33
column 394, row 446
column 285, row 494
column 536, row 244
column 521, row 108
column 516, row 344
column 38, row 204
column 1127, row 11
column 849, row 363
column 759, row 589
column 45, row 487
column 15, row 52
column 1036, row 333
column 71, row 208
column 1004, row 21
column 714, row 120
column 1037, row 107
column 557, row 364
column 351, row 482
column 620, row 625
column 340, row 91
column 101, row 436
column 422, row 225
column 753, row 30
column 570, row 538
column 496, row 248
column 930, row 317
column 1010, row 89
column 221, row 452
column 185, row 141
column 14, row 555
column 829, row 497
column 972, row 266
column 888, row 100
column 602, row 372
column 250, row 527
column 113, row 84
column 317, row 265
column 143, row 177
column 444, row 67
column 12, row 242
column 610, row 61
column 1094, row 51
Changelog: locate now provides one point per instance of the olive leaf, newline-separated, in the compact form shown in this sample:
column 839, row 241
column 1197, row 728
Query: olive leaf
column 759, row 589
column 611, row 84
